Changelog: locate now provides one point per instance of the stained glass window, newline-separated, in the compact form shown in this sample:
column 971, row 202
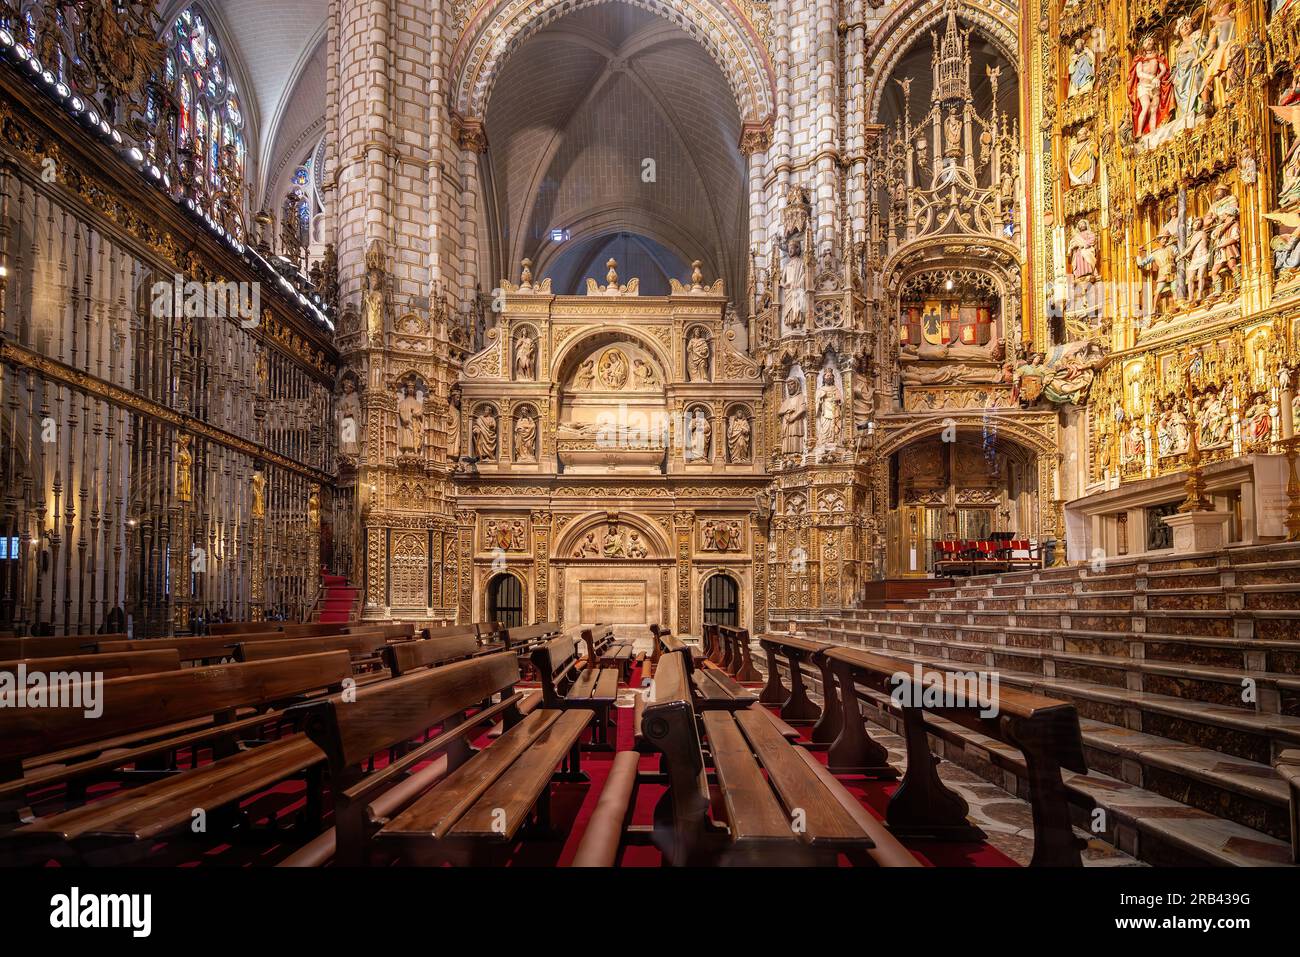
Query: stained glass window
column 210, row 127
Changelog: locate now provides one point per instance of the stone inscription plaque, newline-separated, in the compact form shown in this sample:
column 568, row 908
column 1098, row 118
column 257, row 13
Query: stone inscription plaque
column 612, row 602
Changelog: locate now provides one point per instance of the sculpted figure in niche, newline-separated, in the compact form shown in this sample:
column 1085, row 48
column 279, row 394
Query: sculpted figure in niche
column 453, row 425
column 1221, row 48
column 588, row 547
column 1083, row 68
column 698, row 434
column 1083, row 261
column 1150, row 92
column 613, row 543
column 738, row 433
column 485, row 435
column 829, row 404
column 374, row 294
column 349, row 416
column 1187, row 74
column 586, row 376
column 697, row 357
column 864, row 403
column 525, row 356
column 525, row 438
column 410, row 419
column 258, row 485
column 1081, row 158
column 794, row 418
column 184, row 461
column 794, row 286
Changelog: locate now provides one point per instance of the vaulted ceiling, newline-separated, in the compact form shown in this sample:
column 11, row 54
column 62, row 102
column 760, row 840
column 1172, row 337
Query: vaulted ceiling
column 613, row 121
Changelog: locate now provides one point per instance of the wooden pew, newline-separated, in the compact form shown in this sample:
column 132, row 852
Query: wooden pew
column 566, row 686
column 218, row 628
column 205, row 649
column 109, row 665
column 14, row 648
column 1045, row 730
column 528, row 635
column 480, row 800
column 779, row 810
column 739, row 660
column 361, row 645
column 146, row 717
column 315, row 629
column 796, row 706
column 393, row 631
column 713, row 688
column 606, row 650
column 406, row 656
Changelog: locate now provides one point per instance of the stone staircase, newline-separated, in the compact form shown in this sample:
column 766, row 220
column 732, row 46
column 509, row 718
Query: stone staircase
column 1185, row 672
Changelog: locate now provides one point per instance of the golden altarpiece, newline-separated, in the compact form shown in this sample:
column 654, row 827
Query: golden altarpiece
column 1168, row 227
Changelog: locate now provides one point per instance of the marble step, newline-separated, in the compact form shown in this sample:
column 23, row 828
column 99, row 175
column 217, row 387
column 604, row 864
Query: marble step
column 1143, row 821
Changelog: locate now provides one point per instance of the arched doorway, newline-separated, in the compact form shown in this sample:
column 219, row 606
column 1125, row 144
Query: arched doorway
column 505, row 600
column 721, row 601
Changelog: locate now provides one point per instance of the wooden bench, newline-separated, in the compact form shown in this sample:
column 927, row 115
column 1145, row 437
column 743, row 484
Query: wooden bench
column 796, row 706
column 205, row 649
column 607, row 650
column 362, row 646
column 472, row 804
column 528, row 635
column 1045, row 730
column 14, row 648
column 110, row 665
column 713, row 689
column 566, row 686
column 742, row 656
column 779, row 808
column 1288, row 765
column 155, row 708
column 393, row 631
column 406, row 656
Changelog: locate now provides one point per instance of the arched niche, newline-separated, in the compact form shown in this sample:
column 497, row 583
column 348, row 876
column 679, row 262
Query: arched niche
column 612, row 405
